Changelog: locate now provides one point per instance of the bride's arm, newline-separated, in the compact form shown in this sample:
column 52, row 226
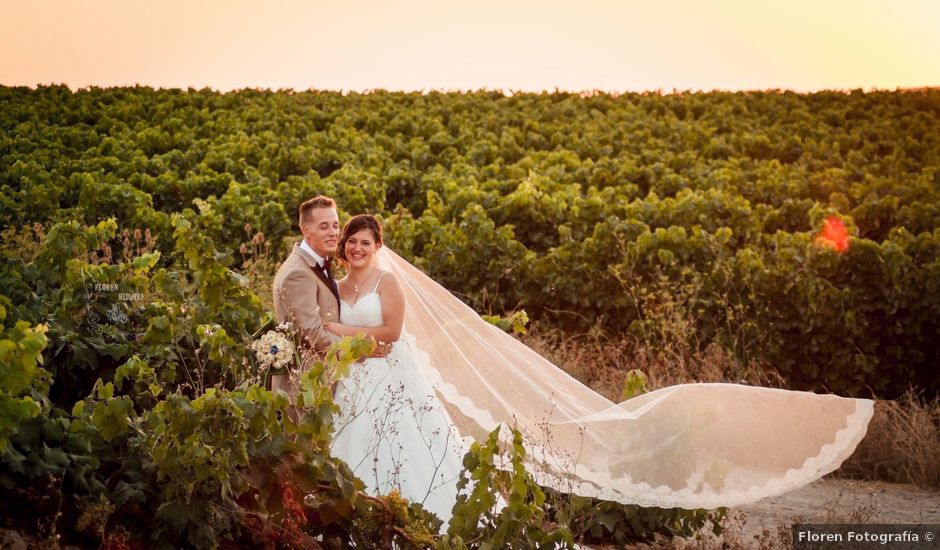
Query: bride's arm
column 393, row 314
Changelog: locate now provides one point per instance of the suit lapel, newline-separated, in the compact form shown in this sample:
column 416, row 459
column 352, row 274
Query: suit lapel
column 329, row 282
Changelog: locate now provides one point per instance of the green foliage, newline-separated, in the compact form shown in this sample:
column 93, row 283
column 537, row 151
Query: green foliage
column 224, row 295
column 21, row 378
column 484, row 518
column 515, row 322
column 564, row 205
column 594, row 521
column 505, row 508
column 201, row 449
column 634, row 384
column 126, row 309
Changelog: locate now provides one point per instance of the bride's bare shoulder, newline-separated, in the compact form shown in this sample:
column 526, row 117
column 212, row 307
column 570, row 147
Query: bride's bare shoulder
column 386, row 277
column 388, row 282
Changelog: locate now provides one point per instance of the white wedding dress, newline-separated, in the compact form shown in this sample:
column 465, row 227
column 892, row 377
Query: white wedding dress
column 392, row 430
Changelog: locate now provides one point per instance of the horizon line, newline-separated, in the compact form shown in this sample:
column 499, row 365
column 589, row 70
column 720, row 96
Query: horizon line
column 506, row 92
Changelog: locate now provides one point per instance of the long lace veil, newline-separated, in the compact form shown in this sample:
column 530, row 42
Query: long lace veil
column 689, row 446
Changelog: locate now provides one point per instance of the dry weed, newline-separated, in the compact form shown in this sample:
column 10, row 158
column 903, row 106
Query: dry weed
column 259, row 266
column 602, row 363
column 22, row 244
column 902, row 445
column 850, row 508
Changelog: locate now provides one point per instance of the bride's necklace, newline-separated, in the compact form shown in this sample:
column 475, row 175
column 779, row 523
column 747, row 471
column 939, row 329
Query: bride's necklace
column 364, row 281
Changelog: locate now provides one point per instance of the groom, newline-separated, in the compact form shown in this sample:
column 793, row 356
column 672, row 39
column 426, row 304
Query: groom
column 305, row 291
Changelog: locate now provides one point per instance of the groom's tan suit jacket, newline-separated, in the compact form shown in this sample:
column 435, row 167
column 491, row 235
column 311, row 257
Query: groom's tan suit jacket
column 303, row 297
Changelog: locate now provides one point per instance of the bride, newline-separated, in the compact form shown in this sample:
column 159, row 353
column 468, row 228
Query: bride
column 392, row 430
column 451, row 377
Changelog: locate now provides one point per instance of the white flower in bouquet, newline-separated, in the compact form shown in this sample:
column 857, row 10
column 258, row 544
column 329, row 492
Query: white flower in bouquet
column 274, row 350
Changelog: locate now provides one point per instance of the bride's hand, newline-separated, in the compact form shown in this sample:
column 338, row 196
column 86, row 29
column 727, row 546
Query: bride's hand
column 381, row 349
column 332, row 326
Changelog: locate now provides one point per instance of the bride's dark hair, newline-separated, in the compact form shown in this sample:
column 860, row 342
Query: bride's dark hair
column 356, row 224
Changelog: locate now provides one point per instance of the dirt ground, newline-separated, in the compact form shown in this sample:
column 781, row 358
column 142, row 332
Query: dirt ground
column 835, row 501
column 844, row 499
column 766, row 524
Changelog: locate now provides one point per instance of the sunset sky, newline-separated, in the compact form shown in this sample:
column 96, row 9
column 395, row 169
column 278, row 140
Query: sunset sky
column 610, row 45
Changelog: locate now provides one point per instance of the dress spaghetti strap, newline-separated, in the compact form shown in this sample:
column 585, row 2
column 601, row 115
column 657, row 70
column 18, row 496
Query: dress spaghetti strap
column 376, row 287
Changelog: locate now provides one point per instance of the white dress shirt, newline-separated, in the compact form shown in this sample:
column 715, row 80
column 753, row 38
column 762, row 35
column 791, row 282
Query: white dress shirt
column 316, row 257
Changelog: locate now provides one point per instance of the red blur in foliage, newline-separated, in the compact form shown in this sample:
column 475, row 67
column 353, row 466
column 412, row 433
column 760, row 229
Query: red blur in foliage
column 834, row 235
column 292, row 534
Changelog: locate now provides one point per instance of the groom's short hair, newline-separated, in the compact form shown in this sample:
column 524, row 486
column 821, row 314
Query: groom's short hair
column 320, row 201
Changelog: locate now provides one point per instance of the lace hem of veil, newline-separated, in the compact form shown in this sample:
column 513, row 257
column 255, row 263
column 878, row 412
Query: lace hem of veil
column 828, row 459
column 588, row 481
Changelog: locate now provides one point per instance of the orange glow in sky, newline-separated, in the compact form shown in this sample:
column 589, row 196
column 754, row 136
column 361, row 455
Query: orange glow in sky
column 444, row 44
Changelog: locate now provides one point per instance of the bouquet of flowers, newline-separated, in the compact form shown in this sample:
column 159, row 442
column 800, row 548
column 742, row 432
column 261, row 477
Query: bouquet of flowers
column 275, row 349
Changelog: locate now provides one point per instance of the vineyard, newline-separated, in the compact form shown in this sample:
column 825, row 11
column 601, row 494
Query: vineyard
column 141, row 229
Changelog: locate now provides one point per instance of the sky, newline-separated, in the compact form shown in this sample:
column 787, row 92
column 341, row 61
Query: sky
column 518, row 45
